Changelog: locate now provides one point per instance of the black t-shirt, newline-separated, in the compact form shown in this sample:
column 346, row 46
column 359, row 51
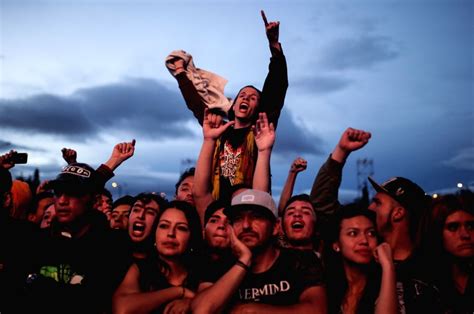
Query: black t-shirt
column 453, row 300
column 212, row 270
column 80, row 272
column 282, row 284
column 415, row 292
column 17, row 243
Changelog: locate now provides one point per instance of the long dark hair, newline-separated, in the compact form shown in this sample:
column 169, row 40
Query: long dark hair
column 336, row 277
column 432, row 247
column 195, row 243
column 190, row 258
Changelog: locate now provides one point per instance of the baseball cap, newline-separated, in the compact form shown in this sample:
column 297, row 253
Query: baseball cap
column 253, row 199
column 76, row 177
column 404, row 191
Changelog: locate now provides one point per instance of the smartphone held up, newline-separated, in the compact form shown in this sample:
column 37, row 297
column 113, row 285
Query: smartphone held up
column 20, row 158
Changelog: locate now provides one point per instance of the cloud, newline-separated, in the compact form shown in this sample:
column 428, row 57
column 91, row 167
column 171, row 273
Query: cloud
column 142, row 105
column 135, row 184
column 139, row 106
column 321, row 84
column 7, row 146
column 46, row 114
column 294, row 139
column 463, row 160
column 360, row 52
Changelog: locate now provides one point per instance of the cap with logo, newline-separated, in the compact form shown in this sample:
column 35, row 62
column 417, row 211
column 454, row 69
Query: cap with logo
column 253, row 199
column 404, row 191
column 78, row 176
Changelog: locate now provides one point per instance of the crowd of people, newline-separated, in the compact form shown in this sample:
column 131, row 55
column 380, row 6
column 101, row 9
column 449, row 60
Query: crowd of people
column 223, row 245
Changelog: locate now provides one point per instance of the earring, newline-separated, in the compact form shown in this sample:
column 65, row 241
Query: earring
column 337, row 249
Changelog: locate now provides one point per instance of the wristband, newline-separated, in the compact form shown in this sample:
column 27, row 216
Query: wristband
column 242, row 264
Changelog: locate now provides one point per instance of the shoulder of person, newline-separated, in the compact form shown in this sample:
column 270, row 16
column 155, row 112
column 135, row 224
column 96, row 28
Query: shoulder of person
column 301, row 258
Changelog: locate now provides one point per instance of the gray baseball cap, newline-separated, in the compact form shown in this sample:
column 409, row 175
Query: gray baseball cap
column 253, row 199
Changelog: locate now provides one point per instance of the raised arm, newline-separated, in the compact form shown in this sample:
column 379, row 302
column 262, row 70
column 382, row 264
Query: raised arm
column 276, row 82
column 188, row 90
column 69, row 155
column 351, row 140
column 212, row 129
column 324, row 193
column 298, row 165
column 272, row 30
column 120, row 153
column 264, row 138
column 215, row 297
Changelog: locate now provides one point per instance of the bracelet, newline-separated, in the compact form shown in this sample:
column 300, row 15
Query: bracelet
column 242, row 264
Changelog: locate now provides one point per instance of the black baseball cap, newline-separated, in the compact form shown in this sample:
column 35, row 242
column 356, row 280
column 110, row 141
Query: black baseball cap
column 76, row 177
column 403, row 190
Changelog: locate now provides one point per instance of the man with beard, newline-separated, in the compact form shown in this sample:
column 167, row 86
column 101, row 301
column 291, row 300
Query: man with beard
column 264, row 278
column 399, row 204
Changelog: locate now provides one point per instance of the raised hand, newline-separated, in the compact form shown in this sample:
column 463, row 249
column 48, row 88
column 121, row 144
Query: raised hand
column 120, row 153
column 264, row 133
column 272, row 29
column 353, row 139
column 179, row 65
column 383, row 255
column 6, row 160
column 123, row 151
column 298, row 165
column 212, row 125
column 69, row 155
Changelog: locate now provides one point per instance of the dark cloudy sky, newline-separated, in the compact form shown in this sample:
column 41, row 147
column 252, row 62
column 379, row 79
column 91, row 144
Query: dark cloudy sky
column 89, row 74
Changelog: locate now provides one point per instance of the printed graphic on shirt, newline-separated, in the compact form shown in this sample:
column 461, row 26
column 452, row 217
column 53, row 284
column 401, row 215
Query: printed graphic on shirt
column 61, row 273
column 254, row 294
column 400, row 295
column 229, row 161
